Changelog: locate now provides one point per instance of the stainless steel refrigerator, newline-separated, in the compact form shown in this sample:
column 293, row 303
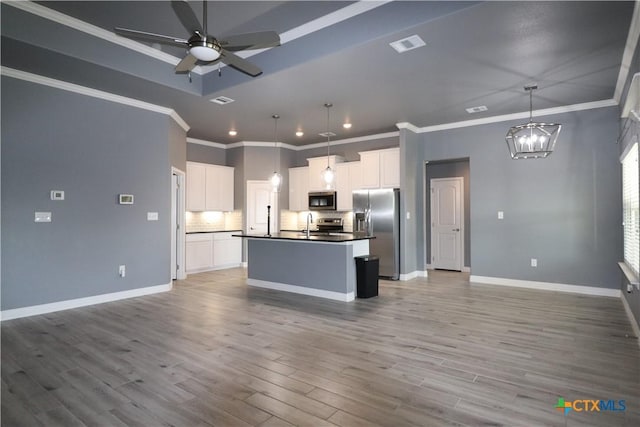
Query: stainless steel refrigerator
column 377, row 212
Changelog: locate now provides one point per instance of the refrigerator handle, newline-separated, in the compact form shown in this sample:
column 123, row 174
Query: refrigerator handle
column 369, row 225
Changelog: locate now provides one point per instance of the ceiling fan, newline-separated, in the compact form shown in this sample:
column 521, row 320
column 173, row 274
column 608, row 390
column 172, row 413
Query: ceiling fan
column 204, row 48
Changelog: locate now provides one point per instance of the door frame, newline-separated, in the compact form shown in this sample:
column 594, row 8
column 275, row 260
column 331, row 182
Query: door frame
column 178, row 260
column 462, row 217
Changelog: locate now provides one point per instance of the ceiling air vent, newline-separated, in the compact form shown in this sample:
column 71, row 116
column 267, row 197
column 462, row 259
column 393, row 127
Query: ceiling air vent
column 222, row 100
column 409, row 43
column 477, row 109
column 327, row 134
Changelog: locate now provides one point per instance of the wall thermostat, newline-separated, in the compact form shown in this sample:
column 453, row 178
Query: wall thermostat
column 125, row 199
column 57, row 195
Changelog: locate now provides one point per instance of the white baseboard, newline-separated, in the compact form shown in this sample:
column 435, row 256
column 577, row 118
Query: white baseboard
column 337, row 296
column 244, row 264
column 632, row 318
column 34, row 310
column 546, row 286
column 413, row 275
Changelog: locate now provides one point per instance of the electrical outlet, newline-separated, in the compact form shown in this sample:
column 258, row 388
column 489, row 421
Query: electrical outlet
column 122, row 270
column 534, row 262
column 629, row 287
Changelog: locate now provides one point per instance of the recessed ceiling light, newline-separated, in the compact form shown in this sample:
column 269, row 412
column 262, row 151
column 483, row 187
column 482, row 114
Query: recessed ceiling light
column 233, row 132
column 347, row 125
column 299, row 133
column 478, row 109
column 408, row 43
column 222, row 100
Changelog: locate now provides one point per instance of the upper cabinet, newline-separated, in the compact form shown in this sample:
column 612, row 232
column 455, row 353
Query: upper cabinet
column 380, row 168
column 348, row 179
column 209, row 187
column 298, row 189
column 316, row 166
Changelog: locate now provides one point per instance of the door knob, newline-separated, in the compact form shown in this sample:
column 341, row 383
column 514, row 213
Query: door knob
column 456, row 229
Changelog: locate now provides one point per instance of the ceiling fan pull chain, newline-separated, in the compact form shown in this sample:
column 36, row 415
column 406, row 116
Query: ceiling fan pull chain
column 189, row 74
column 219, row 70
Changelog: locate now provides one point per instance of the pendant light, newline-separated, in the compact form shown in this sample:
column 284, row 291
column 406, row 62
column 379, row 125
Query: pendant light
column 276, row 178
column 532, row 140
column 328, row 174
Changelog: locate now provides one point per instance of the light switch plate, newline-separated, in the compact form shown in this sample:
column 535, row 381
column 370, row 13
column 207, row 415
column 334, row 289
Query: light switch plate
column 42, row 217
column 125, row 199
column 500, row 215
column 152, row 216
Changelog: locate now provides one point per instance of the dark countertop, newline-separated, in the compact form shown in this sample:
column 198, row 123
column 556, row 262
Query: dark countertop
column 314, row 237
column 218, row 231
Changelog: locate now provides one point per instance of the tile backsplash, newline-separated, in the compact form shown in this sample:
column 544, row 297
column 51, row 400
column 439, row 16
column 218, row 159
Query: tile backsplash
column 213, row 221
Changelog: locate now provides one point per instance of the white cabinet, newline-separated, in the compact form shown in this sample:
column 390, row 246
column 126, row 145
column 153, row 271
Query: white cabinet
column 380, row 168
column 316, row 166
column 209, row 187
column 199, row 252
column 196, row 179
column 298, row 189
column 349, row 180
column 212, row 251
column 227, row 250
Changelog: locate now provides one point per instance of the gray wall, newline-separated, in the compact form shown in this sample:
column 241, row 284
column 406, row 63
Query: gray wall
column 348, row 151
column 564, row 210
column 449, row 169
column 205, row 154
column 93, row 150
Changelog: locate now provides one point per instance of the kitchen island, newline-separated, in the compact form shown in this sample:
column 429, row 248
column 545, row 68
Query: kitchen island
column 320, row 265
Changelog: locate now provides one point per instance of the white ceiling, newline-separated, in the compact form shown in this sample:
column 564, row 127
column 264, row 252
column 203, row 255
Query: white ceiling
column 476, row 53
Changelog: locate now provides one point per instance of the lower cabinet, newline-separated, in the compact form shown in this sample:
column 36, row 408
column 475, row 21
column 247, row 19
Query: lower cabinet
column 212, row 251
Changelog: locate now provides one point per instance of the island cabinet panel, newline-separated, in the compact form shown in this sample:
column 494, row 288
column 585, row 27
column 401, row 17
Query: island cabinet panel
column 209, row 187
column 380, row 168
column 299, row 188
column 316, row 166
column 348, row 179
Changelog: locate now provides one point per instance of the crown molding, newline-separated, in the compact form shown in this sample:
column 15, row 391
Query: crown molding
column 519, row 116
column 629, row 50
column 340, row 15
column 408, row 126
column 349, row 140
column 79, row 25
column 94, row 93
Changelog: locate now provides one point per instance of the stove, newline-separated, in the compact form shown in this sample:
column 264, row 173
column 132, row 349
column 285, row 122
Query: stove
column 330, row 225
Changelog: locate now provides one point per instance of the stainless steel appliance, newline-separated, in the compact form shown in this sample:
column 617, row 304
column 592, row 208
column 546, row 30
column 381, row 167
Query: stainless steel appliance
column 322, row 201
column 330, row 225
column 377, row 212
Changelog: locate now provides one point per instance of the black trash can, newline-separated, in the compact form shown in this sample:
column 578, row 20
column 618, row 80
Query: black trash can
column 367, row 267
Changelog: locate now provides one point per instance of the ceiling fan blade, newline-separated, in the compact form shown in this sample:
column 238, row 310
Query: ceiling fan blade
column 157, row 38
column 239, row 64
column 186, row 15
column 259, row 40
column 187, row 64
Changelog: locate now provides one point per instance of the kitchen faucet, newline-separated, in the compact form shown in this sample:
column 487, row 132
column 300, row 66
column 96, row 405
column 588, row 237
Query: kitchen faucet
column 309, row 221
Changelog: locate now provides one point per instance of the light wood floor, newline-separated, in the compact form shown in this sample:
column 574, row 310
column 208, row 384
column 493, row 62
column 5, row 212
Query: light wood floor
column 427, row 352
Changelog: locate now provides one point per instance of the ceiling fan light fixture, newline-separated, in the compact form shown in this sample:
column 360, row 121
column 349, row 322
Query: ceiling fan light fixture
column 532, row 140
column 204, row 51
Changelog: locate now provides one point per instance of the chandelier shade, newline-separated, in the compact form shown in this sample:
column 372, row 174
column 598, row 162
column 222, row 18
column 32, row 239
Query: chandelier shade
column 532, row 140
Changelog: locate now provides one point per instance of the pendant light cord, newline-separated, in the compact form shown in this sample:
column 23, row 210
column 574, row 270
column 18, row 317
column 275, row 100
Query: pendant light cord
column 276, row 161
column 328, row 105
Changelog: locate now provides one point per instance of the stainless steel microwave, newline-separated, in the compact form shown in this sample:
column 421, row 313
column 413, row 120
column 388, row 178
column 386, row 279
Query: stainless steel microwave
column 322, row 201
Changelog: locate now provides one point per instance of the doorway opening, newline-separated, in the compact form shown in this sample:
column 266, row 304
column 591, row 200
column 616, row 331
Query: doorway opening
column 178, row 270
column 447, row 218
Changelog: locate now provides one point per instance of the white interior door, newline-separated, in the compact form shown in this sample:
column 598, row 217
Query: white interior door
column 259, row 196
column 447, row 223
column 178, row 270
